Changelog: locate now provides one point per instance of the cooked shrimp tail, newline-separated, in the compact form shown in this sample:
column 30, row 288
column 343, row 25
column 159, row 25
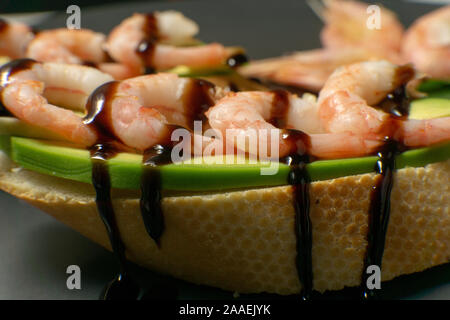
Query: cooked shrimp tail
column 32, row 90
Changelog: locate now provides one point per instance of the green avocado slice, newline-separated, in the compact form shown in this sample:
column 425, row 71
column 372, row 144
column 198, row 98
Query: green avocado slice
column 72, row 163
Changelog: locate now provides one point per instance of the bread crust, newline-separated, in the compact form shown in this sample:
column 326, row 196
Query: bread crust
column 244, row 240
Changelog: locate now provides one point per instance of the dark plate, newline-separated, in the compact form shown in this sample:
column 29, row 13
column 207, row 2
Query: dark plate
column 36, row 249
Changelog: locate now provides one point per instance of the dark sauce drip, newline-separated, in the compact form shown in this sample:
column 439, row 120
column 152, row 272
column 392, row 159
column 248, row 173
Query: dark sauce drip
column 300, row 181
column 280, row 107
column 8, row 70
column 299, row 143
column 236, row 60
column 379, row 210
column 278, row 86
column 122, row 287
column 197, row 100
column 89, row 64
column 397, row 102
column 233, row 87
column 146, row 47
column 150, row 203
column 99, row 118
column 107, row 56
column 99, row 112
column 397, row 105
column 3, row 25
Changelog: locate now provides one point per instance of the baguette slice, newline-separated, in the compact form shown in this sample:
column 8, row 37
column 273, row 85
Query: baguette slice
column 244, row 240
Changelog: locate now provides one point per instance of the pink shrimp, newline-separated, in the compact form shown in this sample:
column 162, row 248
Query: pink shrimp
column 30, row 91
column 77, row 47
column 427, row 43
column 241, row 116
column 346, row 100
column 145, row 109
column 149, row 40
column 14, row 38
column 345, row 39
column 308, row 69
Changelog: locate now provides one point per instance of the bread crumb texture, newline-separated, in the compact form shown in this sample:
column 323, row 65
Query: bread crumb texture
column 244, row 241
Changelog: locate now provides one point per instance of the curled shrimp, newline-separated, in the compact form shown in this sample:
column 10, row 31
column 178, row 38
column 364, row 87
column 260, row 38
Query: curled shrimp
column 145, row 109
column 74, row 46
column 34, row 92
column 427, row 43
column 239, row 116
column 150, row 40
column 14, row 38
column 346, row 105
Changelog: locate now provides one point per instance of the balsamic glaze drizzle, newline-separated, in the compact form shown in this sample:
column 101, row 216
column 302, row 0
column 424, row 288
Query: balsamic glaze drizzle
column 397, row 105
column 150, row 202
column 236, row 60
column 300, row 181
column 146, row 47
column 122, row 287
column 3, row 25
column 197, row 100
column 99, row 118
column 379, row 210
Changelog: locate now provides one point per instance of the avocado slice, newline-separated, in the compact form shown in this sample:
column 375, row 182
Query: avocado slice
column 429, row 108
column 69, row 162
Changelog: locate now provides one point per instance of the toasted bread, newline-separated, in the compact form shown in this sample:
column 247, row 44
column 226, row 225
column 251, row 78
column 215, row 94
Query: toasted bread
column 244, row 240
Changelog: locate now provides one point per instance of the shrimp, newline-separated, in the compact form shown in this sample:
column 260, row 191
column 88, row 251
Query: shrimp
column 14, row 38
column 239, row 116
column 148, row 40
column 308, row 69
column 342, row 123
column 76, row 47
column 345, row 39
column 145, row 109
column 346, row 105
column 427, row 43
column 30, row 91
column 346, row 26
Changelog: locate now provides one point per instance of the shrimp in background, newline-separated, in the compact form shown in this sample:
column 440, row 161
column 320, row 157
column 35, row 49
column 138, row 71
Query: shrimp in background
column 427, row 43
column 346, row 28
column 150, row 41
column 77, row 47
column 14, row 38
column 345, row 38
column 307, row 70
